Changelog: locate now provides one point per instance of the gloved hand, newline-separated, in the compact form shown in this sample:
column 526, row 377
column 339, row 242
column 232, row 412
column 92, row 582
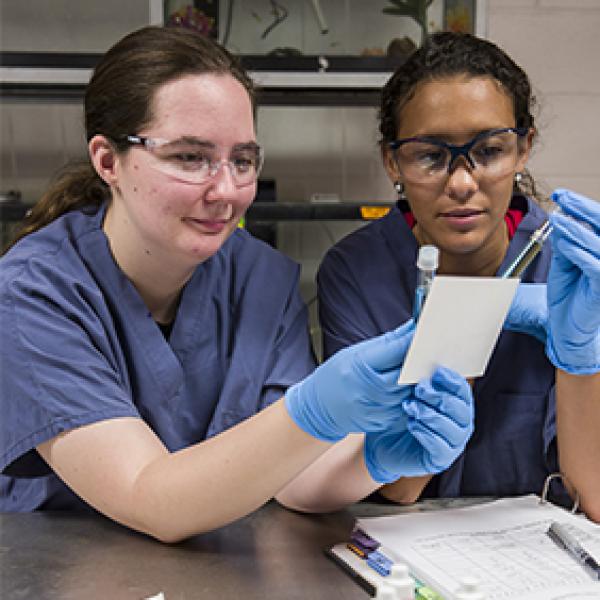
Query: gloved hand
column 355, row 390
column 574, row 285
column 529, row 311
column 434, row 432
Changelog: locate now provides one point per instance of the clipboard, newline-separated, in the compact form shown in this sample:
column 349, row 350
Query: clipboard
column 435, row 546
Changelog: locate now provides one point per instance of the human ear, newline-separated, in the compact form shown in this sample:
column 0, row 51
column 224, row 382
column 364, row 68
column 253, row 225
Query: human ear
column 103, row 157
column 389, row 163
column 525, row 145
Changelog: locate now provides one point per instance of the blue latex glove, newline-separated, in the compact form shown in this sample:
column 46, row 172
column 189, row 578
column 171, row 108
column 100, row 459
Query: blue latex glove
column 529, row 311
column 355, row 390
column 434, row 432
column 574, row 285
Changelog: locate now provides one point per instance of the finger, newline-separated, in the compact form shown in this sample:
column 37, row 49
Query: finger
column 529, row 310
column 444, row 380
column 447, row 405
column 562, row 277
column 440, row 425
column 577, row 205
column 438, row 454
column 579, row 251
column 574, row 265
column 529, row 294
column 387, row 351
column 578, row 232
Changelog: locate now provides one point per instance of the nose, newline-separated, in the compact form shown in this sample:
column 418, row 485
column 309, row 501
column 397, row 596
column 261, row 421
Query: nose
column 456, row 154
column 222, row 184
column 461, row 183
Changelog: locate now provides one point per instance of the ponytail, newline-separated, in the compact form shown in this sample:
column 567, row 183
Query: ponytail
column 75, row 186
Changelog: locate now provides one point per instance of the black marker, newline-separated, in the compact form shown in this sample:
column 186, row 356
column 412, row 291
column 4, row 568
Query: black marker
column 364, row 583
column 567, row 542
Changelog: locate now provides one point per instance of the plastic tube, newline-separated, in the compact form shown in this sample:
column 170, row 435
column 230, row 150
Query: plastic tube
column 427, row 264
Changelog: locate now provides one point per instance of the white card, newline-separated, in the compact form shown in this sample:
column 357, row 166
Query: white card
column 459, row 325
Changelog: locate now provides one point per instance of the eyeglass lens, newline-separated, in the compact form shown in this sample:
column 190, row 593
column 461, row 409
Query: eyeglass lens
column 196, row 163
column 426, row 160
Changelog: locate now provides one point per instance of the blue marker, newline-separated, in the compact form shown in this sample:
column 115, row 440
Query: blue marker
column 379, row 562
column 427, row 264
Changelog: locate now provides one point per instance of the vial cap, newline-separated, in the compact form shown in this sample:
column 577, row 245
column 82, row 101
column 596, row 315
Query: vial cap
column 385, row 592
column 469, row 589
column 428, row 258
column 403, row 584
column 399, row 571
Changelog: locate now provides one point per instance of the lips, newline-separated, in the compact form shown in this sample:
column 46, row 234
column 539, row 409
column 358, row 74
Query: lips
column 462, row 218
column 462, row 212
column 208, row 225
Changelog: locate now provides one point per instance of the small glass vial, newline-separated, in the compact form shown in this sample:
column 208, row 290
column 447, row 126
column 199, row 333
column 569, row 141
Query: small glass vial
column 427, row 264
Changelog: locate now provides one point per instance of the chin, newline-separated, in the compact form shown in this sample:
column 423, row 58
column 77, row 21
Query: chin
column 207, row 247
column 464, row 244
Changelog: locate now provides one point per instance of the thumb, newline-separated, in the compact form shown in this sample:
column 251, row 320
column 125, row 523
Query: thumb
column 387, row 351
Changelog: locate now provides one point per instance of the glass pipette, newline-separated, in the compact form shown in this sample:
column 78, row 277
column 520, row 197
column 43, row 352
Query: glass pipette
column 529, row 252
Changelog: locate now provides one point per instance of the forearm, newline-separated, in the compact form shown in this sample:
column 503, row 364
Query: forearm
column 578, row 434
column 213, row 483
column 123, row 470
column 406, row 490
column 338, row 478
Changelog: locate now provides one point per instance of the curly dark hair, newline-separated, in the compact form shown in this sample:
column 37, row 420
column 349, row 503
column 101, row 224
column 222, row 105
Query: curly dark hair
column 448, row 54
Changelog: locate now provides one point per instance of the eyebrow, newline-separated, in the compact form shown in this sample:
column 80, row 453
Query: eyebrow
column 188, row 139
column 445, row 138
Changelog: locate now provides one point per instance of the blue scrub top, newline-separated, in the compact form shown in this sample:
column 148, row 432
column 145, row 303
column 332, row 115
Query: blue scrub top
column 366, row 286
column 80, row 346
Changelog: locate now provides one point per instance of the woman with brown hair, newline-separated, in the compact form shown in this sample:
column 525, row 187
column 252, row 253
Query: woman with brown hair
column 149, row 344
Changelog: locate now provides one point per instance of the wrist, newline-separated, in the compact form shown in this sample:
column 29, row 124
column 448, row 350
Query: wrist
column 302, row 405
column 377, row 472
column 582, row 358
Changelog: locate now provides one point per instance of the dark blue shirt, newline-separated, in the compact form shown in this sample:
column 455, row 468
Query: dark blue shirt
column 80, row 346
column 366, row 286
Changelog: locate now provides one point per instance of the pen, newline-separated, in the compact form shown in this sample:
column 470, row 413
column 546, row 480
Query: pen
column 427, row 264
column 566, row 541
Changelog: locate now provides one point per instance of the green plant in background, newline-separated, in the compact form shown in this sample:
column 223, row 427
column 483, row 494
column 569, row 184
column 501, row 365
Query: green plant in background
column 416, row 9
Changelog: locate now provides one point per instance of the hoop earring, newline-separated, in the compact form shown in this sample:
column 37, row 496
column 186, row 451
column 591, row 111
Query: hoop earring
column 399, row 187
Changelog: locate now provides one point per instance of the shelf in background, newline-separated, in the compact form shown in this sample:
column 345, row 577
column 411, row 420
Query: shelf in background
column 331, row 211
column 267, row 211
column 282, row 81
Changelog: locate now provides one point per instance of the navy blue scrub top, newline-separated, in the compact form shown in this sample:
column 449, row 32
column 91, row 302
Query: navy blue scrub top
column 79, row 346
column 366, row 286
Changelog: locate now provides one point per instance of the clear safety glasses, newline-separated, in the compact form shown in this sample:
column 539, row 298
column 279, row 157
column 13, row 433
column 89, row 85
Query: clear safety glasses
column 197, row 161
column 490, row 154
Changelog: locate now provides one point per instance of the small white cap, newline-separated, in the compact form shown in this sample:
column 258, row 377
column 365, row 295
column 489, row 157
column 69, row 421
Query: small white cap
column 403, row 584
column 428, row 258
column 385, row 592
column 469, row 589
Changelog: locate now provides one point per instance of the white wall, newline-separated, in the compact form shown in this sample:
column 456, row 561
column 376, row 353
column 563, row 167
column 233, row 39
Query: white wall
column 558, row 43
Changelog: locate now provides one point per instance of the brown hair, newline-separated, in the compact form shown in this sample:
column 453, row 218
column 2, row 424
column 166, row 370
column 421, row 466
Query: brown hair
column 118, row 101
column 447, row 54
